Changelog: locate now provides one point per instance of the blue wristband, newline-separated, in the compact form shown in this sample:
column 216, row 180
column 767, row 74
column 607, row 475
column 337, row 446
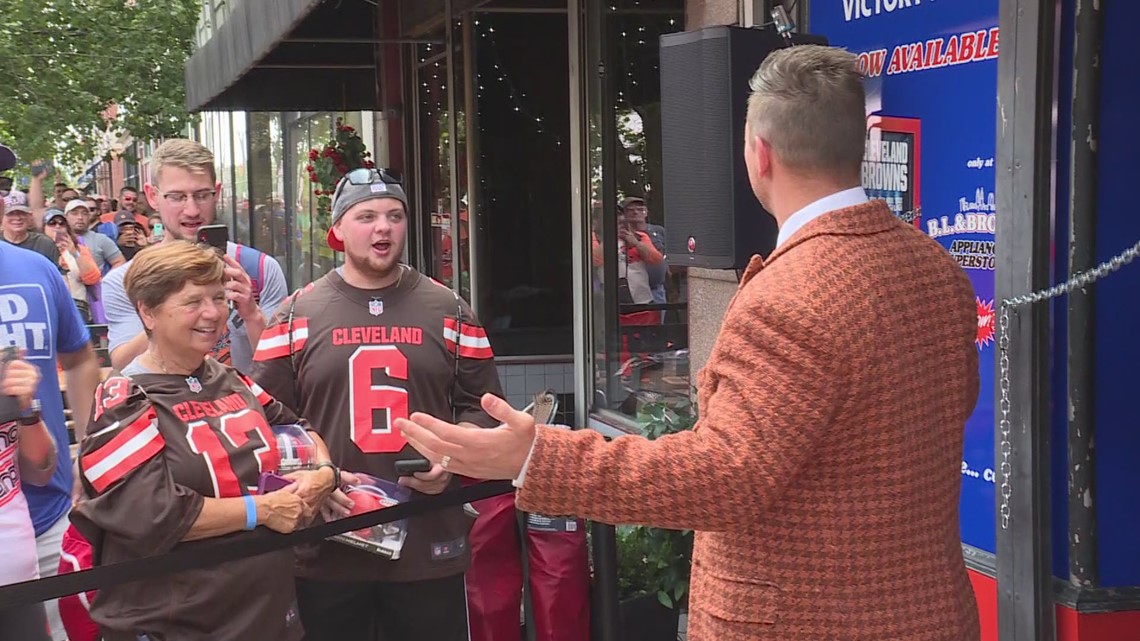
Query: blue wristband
column 250, row 512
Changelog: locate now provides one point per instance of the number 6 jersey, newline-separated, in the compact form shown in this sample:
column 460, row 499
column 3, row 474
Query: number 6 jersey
column 363, row 359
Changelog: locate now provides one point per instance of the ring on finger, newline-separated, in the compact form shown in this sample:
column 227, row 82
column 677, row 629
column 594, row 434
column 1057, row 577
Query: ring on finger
column 445, row 461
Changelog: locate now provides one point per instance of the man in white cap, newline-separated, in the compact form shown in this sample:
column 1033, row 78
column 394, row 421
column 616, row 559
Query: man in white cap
column 19, row 230
column 103, row 250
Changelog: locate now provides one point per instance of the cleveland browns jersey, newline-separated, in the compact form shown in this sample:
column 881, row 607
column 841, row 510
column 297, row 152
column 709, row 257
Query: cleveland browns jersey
column 158, row 445
column 364, row 358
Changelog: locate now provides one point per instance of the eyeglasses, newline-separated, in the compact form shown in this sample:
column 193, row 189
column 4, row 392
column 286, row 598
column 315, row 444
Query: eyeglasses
column 366, row 176
column 56, row 223
column 200, row 197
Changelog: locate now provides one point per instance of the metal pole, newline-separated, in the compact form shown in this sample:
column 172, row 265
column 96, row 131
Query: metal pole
column 1025, row 136
column 609, row 237
column 604, row 609
column 1082, row 302
column 452, row 152
column 470, row 111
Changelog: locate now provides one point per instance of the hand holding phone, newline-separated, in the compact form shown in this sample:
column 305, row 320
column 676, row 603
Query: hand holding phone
column 408, row 467
column 270, row 482
column 216, row 236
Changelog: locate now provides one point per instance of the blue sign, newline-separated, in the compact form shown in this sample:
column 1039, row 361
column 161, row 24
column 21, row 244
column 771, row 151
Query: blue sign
column 931, row 84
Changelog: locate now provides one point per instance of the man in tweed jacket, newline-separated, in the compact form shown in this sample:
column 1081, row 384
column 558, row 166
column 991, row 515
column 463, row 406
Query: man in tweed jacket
column 823, row 476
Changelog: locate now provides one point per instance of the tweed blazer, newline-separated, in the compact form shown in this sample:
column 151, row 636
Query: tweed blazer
column 823, row 475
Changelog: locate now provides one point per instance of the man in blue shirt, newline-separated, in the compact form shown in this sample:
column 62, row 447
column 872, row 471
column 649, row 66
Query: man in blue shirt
column 37, row 314
column 185, row 192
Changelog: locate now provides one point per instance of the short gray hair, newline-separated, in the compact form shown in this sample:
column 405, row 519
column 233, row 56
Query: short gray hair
column 808, row 103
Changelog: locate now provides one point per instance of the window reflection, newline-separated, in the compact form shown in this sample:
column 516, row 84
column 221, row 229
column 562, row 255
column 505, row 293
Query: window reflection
column 266, row 180
column 640, row 316
column 240, row 188
column 523, row 217
column 436, row 170
column 301, row 200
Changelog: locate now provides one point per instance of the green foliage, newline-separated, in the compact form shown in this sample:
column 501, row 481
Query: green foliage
column 66, row 61
column 655, row 559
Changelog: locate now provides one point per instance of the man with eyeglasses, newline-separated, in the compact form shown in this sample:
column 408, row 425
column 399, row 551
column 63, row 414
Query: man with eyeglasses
column 356, row 350
column 185, row 194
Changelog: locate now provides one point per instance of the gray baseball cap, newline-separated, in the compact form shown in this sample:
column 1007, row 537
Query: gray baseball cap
column 358, row 186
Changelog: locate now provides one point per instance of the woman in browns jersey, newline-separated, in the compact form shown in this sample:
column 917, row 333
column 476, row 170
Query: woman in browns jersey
column 174, row 454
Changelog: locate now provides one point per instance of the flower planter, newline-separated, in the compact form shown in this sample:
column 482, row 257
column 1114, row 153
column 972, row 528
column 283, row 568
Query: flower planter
column 643, row 618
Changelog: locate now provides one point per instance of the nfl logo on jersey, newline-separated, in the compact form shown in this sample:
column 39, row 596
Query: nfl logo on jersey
column 375, row 307
column 194, row 384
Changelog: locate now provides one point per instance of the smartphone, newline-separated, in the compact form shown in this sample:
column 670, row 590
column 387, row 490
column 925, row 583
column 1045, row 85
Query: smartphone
column 158, row 231
column 41, row 169
column 270, row 482
column 216, row 236
column 408, row 467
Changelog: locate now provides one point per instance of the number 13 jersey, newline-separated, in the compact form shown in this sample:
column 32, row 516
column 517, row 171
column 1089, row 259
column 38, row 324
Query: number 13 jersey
column 362, row 359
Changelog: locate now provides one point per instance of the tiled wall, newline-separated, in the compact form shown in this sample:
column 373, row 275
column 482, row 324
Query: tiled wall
column 521, row 381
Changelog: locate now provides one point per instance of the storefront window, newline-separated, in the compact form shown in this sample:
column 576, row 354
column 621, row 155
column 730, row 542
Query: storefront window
column 639, row 301
column 523, row 200
column 317, row 255
column 239, row 190
column 222, row 146
column 433, row 84
column 266, row 173
column 300, row 236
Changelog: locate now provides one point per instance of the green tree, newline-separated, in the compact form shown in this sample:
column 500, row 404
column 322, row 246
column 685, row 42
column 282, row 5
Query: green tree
column 66, row 61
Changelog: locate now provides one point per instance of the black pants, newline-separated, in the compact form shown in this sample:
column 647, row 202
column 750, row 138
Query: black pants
column 433, row 610
column 24, row 623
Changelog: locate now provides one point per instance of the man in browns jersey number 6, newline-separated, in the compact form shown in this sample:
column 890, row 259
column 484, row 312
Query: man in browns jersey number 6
column 353, row 352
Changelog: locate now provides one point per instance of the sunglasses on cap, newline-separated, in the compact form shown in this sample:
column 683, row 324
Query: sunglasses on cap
column 366, row 176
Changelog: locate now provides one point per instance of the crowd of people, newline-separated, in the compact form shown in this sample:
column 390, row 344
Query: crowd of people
column 806, row 526
column 208, row 355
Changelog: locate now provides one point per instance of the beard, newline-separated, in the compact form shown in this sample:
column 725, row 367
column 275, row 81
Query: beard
column 373, row 267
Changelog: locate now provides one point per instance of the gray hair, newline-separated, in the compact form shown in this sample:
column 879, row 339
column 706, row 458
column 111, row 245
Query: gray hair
column 808, row 103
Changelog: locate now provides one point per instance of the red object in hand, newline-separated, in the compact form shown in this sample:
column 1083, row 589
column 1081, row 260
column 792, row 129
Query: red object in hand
column 363, row 501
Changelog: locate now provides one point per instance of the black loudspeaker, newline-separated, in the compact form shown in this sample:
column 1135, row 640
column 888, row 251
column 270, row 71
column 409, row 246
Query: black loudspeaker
column 712, row 219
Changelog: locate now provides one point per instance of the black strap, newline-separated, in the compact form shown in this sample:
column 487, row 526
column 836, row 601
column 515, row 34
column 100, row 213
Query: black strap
column 211, row 552
column 293, row 355
column 458, row 337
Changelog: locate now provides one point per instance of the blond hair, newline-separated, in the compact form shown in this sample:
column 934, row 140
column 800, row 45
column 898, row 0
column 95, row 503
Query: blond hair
column 809, row 105
column 190, row 155
column 160, row 271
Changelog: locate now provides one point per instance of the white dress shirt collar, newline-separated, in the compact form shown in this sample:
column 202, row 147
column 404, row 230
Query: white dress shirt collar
column 838, row 200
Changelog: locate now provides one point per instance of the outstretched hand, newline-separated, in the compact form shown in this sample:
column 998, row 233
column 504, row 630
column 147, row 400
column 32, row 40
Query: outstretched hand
column 492, row 454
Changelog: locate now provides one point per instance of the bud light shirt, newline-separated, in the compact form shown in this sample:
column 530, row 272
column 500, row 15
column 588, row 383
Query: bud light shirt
column 37, row 314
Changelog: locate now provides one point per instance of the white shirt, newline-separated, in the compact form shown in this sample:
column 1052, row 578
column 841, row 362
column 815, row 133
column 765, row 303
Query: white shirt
column 838, row 200
column 17, row 537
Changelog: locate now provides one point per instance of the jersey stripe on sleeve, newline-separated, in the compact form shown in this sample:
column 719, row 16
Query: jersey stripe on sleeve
column 263, row 397
column 129, row 448
column 274, row 342
column 473, row 342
